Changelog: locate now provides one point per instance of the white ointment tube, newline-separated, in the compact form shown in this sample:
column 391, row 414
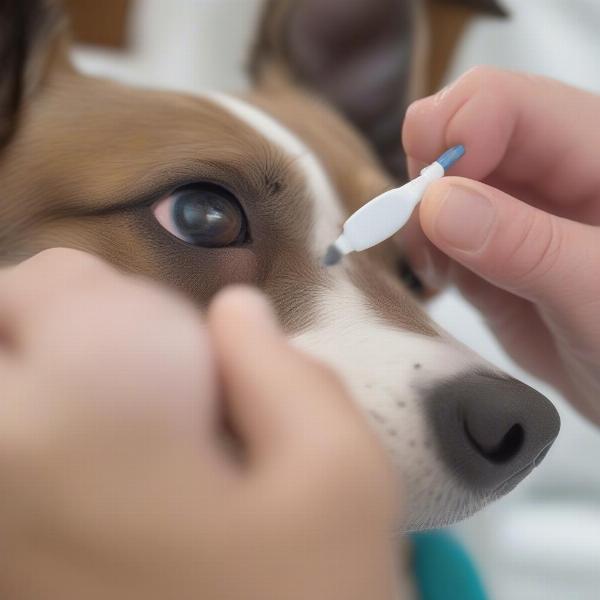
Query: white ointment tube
column 386, row 214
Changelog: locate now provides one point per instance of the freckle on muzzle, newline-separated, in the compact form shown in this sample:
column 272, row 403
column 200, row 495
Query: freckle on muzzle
column 491, row 431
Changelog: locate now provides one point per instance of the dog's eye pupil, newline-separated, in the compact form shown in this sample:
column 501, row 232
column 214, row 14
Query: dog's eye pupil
column 206, row 218
column 202, row 215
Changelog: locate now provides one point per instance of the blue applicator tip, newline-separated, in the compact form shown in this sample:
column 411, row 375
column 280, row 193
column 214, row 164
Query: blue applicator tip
column 450, row 156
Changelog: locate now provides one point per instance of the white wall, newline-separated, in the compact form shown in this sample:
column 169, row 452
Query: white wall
column 543, row 541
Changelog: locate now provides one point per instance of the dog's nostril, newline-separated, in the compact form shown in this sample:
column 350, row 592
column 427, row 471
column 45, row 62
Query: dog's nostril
column 491, row 430
column 498, row 452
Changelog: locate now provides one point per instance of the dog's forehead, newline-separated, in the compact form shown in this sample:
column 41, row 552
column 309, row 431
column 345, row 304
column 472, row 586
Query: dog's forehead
column 89, row 138
column 91, row 145
column 352, row 167
column 89, row 150
column 104, row 137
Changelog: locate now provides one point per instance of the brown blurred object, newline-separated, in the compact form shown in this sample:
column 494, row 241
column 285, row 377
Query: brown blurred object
column 447, row 25
column 448, row 21
column 102, row 23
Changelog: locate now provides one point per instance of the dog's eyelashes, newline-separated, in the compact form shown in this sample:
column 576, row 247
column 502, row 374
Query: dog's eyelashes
column 204, row 215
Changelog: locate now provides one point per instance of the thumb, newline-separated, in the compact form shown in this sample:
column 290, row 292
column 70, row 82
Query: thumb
column 543, row 258
column 280, row 402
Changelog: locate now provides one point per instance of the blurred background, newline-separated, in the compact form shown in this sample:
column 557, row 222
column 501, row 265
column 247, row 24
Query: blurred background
column 543, row 541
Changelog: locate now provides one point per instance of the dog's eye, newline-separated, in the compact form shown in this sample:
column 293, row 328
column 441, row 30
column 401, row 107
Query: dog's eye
column 203, row 215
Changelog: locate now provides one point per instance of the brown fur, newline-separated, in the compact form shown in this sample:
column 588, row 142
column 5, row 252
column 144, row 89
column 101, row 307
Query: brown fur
column 447, row 24
column 89, row 157
column 67, row 203
column 357, row 177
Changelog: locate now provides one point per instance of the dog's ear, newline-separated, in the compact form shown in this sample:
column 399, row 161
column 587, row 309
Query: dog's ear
column 368, row 58
column 361, row 55
column 32, row 38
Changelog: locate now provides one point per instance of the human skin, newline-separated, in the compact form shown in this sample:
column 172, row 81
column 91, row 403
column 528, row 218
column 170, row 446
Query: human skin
column 518, row 226
column 115, row 479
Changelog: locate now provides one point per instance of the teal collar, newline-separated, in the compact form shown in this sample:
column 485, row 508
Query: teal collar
column 443, row 570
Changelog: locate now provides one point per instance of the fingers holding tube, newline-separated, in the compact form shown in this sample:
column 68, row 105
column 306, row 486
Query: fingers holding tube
column 513, row 125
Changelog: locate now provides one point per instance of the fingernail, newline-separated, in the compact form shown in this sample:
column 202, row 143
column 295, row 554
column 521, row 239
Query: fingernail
column 464, row 219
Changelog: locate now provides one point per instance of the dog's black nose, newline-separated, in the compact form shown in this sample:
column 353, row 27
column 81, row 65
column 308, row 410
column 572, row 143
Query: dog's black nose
column 491, row 430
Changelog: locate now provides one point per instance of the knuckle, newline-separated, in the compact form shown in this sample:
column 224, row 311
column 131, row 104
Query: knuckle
column 491, row 80
column 66, row 276
column 68, row 262
column 538, row 249
column 494, row 81
column 57, row 255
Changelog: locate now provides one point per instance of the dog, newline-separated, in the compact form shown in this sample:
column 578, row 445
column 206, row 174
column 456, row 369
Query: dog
column 199, row 192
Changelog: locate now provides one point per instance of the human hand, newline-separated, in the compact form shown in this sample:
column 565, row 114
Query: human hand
column 525, row 243
column 114, row 476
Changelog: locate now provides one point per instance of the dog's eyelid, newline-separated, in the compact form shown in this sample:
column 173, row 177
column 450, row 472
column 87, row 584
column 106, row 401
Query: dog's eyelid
column 147, row 198
column 142, row 193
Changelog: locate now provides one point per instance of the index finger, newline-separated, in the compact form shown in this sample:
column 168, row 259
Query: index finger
column 522, row 129
column 282, row 403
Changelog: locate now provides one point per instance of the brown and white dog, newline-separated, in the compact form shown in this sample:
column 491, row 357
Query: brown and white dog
column 203, row 191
